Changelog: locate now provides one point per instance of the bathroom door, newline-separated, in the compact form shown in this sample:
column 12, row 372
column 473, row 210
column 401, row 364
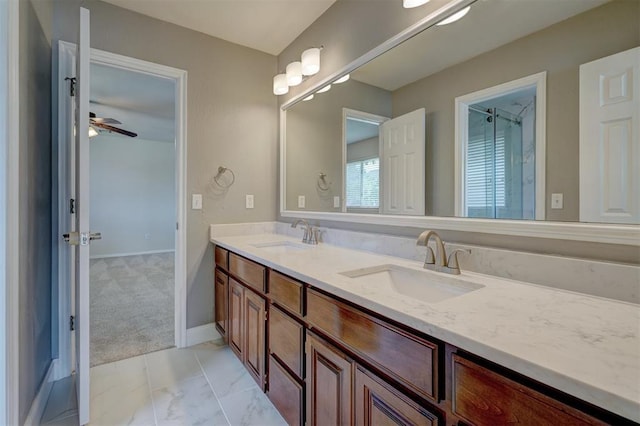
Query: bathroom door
column 80, row 169
column 402, row 169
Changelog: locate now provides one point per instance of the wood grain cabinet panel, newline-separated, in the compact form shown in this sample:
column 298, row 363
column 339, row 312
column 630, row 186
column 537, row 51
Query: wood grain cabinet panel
column 254, row 335
column 378, row 404
column 405, row 357
column 251, row 273
column 329, row 384
column 286, row 292
column 221, row 302
column 236, row 323
column 221, row 257
column 484, row 397
column 286, row 338
column 286, row 393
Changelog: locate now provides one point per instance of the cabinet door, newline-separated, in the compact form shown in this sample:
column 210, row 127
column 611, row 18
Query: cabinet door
column 235, row 325
column 254, row 335
column 378, row 403
column 286, row 393
column 221, row 301
column 329, row 384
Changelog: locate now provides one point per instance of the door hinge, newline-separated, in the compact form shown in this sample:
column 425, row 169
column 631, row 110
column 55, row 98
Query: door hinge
column 72, row 206
column 72, row 323
column 72, row 87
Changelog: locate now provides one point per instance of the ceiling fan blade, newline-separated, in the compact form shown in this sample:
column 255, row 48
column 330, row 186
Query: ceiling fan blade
column 115, row 129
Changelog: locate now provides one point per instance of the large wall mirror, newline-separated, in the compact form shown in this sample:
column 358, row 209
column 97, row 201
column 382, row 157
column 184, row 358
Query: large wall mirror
column 522, row 110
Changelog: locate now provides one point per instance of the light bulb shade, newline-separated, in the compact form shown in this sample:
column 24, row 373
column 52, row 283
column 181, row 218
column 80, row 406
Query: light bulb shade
column 408, row 4
column 324, row 89
column 280, row 86
column 311, row 61
column 294, row 73
column 455, row 17
column 342, row 79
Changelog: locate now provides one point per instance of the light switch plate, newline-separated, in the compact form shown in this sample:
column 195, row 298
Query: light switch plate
column 557, row 201
column 249, row 201
column 301, row 201
column 196, row 201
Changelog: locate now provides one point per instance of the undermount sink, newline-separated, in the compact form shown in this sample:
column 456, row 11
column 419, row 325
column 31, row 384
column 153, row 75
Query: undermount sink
column 281, row 246
column 419, row 284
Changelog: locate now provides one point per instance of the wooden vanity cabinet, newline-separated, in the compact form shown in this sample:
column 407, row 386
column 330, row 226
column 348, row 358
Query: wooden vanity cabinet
column 255, row 317
column 236, row 318
column 221, row 301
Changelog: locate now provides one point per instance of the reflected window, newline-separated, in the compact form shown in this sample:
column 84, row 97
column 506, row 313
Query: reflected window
column 363, row 183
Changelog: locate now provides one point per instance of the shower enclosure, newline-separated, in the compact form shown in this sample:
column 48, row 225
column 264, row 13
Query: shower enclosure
column 500, row 163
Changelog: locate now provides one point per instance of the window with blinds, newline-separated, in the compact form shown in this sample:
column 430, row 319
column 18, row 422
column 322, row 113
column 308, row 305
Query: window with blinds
column 485, row 180
column 363, row 183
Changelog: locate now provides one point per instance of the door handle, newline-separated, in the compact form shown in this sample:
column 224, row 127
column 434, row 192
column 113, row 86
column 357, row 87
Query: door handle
column 76, row 238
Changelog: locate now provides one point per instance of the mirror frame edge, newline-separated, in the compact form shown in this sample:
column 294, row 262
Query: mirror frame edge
column 575, row 231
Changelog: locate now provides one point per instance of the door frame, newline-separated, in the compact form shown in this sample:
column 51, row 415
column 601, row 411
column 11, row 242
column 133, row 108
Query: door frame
column 66, row 66
column 9, row 202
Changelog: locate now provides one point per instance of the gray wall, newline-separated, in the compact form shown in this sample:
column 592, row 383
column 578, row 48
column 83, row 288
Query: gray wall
column 232, row 121
column 559, row 50
column 349, row 29
column 314, row 140
column 35, row 203
column 132, row 195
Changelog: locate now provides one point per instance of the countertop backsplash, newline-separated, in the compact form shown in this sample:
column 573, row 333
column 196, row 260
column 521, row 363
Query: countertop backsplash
column 603, row 279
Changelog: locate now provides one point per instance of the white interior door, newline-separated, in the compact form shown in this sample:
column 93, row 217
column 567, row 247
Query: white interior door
column 402, row 173
column 83, row 236
column 609, row 140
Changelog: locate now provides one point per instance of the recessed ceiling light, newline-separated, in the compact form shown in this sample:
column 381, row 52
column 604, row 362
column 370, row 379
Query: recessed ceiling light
column 408, row 4
column 342, row 79
column 324, row 89
column 456, row 16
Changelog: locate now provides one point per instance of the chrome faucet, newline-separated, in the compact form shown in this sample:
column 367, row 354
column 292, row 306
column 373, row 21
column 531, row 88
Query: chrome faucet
column 439, row 261
column 310, row 233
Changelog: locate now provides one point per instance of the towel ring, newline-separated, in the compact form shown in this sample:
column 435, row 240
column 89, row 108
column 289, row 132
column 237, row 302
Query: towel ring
column 221, row 172
column 322, row 183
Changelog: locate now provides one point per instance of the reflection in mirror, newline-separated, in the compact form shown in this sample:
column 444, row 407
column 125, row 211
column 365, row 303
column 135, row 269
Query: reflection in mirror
column 443, row 63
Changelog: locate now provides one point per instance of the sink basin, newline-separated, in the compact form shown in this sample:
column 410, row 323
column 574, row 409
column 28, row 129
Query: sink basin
column 418, row 284
column 281, row 246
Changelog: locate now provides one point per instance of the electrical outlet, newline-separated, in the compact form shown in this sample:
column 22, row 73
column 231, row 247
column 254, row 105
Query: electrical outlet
column 557, row 201
column 301, row 201
column 336, row 202
column 196, row 202
column 249, row 201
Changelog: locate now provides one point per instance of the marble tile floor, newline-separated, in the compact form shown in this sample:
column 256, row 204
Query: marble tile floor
column 201, row 385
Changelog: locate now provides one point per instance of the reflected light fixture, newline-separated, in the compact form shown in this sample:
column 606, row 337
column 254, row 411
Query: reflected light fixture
column 342, row 79
column 308, row 98
column 408, row 4
column 294, row 73
column 311, row 61
column 324, row 89
column 455, row 17
column 280, row 86
column 92, row 132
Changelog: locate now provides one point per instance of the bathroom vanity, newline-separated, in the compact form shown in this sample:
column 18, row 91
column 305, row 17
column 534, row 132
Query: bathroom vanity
column 333, row 336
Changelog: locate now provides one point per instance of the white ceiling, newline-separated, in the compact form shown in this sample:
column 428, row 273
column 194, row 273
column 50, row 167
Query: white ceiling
column 144, row 104
column 358, row 130
column 266, row 25
column 488, row 25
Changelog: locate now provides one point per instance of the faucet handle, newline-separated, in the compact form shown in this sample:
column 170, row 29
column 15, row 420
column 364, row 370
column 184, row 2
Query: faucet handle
column 452, row 262
column 313, row 235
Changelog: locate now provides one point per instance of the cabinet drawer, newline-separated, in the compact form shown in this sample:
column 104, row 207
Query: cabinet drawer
column 286, row 340
column 484, row 397
column 249, row 272
column 285, row 393
column 407, row 358
column 286, row 292
column 379, row 403
column 221, row 257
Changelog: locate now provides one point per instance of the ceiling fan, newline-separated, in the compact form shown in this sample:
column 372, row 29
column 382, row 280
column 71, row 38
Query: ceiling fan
column 99, row 123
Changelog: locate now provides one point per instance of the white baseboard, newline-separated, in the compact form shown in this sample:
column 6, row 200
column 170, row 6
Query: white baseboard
column 106, row 256
column 40, row 401
column 201, row 334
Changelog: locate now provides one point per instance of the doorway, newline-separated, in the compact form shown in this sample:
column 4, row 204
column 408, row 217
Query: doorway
column 120, row 157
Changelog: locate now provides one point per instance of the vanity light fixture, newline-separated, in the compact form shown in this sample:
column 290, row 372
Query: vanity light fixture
column 294, row 73
column 342, row 79
column 280, row 86
column 324, row 89
column 455, row 17
column 408, row 4
column 297, row 71
column 308, row 98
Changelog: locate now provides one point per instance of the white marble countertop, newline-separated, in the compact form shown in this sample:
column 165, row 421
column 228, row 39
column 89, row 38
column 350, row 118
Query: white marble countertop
column 586, row 346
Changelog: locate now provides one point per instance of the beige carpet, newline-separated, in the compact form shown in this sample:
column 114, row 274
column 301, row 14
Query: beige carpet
column 132, row 306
